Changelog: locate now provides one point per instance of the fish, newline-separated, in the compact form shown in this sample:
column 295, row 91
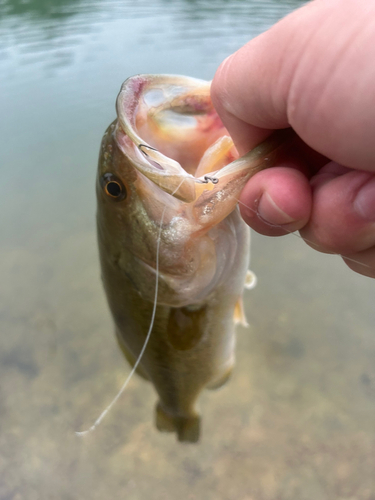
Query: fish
column 168, row 182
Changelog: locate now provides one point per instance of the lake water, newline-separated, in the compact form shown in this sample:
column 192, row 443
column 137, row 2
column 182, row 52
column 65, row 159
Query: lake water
column 296, row 421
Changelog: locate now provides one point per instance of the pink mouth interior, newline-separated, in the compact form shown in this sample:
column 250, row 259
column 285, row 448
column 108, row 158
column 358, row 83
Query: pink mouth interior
column 182, row 132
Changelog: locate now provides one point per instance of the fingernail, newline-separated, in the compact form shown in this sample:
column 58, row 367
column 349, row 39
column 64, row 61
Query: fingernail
column 364, row 203
column 271, row 213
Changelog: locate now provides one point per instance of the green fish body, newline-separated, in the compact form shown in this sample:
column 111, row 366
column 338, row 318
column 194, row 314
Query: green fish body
column 168, row 183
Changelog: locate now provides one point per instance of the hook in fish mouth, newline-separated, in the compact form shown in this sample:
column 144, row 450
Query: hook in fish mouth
column 171, row 121
column 140, row 146
column 206, row 178
column 169, row 129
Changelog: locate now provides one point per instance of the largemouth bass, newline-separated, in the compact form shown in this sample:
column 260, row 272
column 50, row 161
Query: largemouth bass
column 168, row 183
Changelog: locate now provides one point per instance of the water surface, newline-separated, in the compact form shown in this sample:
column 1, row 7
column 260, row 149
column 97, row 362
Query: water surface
column 296, row 422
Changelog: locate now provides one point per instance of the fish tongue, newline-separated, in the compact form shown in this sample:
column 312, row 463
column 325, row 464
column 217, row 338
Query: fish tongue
column 219, row 191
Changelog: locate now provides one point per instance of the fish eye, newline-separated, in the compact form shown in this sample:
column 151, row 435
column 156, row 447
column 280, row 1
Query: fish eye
column 113, row 187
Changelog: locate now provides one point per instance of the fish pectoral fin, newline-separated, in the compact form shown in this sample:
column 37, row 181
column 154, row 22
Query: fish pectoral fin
column 186, row 327
column 186, row 428
column 239, row 316
column 219, row 382
column 250, row 280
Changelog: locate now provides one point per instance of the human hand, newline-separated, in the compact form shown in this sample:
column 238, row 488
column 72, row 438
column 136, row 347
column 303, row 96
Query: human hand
column 313, row 71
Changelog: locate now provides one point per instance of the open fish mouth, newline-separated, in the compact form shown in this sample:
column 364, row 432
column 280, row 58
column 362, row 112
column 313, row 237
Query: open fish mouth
column 168, row 127
column 169, row 122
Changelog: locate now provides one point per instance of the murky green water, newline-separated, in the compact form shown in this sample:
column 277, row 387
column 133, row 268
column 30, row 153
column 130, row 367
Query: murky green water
column 297, row 420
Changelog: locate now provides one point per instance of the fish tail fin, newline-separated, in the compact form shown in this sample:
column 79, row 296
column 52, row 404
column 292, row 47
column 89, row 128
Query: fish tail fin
column 186, row 428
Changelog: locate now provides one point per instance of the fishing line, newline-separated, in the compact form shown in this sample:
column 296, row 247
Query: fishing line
column 293, row 233
column 124, row 385
column 118, row 395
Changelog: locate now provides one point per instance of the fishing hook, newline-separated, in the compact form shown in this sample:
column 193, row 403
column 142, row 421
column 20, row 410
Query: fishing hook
column 140, row 146
column 208, row 179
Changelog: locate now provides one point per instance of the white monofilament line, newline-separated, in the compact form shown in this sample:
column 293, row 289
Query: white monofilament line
column 113, row 402
column 124, row 385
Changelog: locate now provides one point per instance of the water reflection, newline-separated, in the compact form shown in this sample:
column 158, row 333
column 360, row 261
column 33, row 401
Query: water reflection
column 41, row 25
column 41, row 9
column 61, row 9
